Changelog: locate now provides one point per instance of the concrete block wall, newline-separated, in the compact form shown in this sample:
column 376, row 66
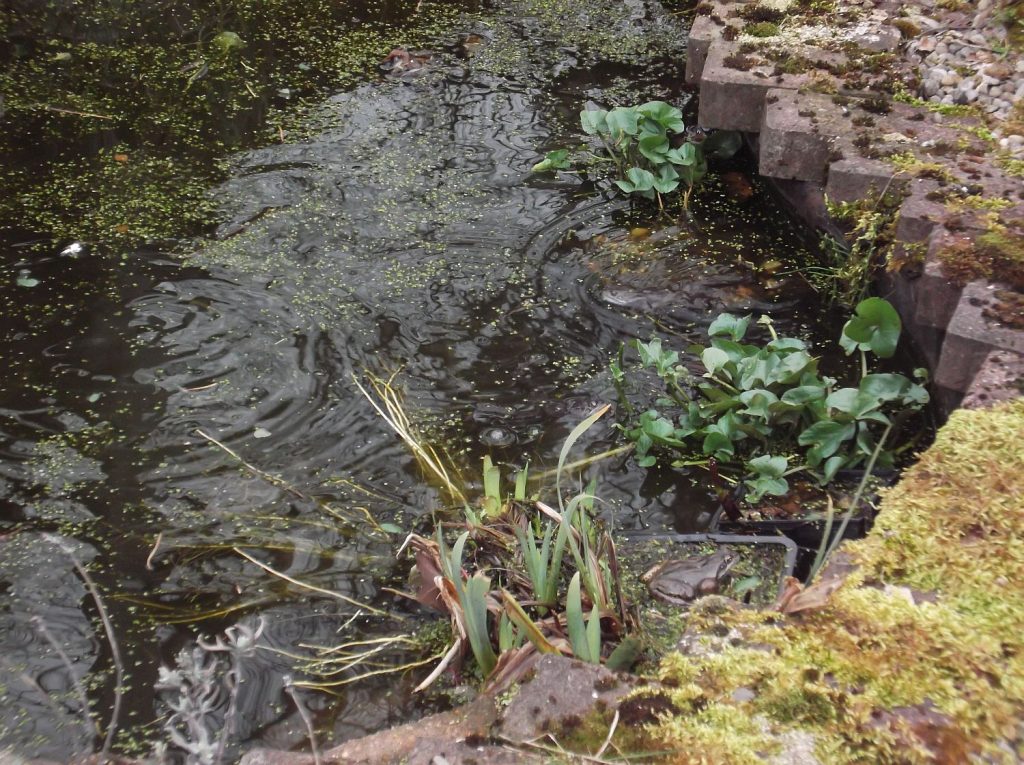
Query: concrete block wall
column 805, row 144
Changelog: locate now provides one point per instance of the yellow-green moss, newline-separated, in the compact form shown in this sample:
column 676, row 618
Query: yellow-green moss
column 761, row 29
column 908, row 29
column 952, row 528
column 902, row 95
column 1014, row 167
column 996, row 254
column 977, row 202
column 911, row 165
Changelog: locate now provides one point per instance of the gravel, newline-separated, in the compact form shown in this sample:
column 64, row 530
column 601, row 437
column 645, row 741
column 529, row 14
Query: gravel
column 964, row 59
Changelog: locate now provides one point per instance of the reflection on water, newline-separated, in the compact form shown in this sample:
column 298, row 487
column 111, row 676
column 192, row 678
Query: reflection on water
column 171, row 416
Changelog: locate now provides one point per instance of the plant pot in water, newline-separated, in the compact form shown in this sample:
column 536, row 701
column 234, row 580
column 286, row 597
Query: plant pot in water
column 801, row 515
column 677, row 569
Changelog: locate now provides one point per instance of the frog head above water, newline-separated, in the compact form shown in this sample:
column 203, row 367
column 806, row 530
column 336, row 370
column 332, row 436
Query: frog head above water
column 681, row 580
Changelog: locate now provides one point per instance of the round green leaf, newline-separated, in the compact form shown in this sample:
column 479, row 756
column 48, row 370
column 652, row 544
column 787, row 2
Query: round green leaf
column 654, row 147
column 767, row 465
column 826, row 436
column 875, row 327
column 804, row 394
column 730, row 326
column 714, row 359
column 885, row 387
column 594, row 121
column 553, row 160
column 642, row 180
column 623, row 120
column 668, row 117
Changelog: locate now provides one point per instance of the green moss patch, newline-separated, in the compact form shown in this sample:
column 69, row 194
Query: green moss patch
column 761, row 29
column 996, row 254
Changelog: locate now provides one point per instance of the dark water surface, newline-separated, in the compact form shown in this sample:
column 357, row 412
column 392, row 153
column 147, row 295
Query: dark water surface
column 401, row 231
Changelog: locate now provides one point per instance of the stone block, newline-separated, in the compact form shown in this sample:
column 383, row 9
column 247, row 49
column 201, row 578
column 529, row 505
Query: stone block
column 798, row 133
column 547, row 699
column 971, row 337
column 1000, row 378
column 919, row 215
column 857, row 177
column 403, row 743
column 703, row 32
column 904, row 292
column 882, row 39
column 937, row 296
column 806, row 200
column 732, row 98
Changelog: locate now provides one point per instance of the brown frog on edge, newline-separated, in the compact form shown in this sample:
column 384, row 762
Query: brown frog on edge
column 682, row 580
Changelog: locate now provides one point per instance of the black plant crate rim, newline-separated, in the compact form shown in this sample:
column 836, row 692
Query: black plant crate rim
column 858, row 527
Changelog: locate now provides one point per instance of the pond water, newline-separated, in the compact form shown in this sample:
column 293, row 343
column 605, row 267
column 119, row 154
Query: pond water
column 399, row 230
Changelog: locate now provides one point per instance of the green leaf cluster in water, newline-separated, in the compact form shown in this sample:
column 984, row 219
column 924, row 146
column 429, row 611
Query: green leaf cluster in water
column 765, row 405
column 642, row 142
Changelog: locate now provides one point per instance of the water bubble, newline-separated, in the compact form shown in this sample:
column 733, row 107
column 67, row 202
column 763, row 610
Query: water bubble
column 73, row 250
column 532, row 433
column 497, row 437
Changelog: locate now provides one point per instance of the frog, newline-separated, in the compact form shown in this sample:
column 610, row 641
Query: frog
column 680, row 581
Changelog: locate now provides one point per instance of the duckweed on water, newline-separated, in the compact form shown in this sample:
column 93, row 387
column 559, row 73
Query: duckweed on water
column 171, row 103
column 133, row 120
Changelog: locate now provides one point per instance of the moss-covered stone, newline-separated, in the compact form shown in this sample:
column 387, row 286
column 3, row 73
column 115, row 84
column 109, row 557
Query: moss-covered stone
column 998, row 253
column 761, row 29
column 918, row 657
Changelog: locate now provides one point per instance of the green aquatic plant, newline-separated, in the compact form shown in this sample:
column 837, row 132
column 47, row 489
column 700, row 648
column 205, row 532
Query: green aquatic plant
column 517, row 581
column 117, row 116
column 652, row 152
column 850, row 264
column 471, row 594
column 767, row 410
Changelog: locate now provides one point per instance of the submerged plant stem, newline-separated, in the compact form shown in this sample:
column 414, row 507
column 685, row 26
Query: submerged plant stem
column 115, row 648
column 289, row 688
column 88, row 721
column 390, row 408
column 583, row 462
column 306, row 585
column 822, row 558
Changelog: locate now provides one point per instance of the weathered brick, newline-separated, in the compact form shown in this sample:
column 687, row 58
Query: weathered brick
column 797, row 135
column 733, row 99
column 703, row 32
column 970, row 337
column 1000, row 378
column 937, row 296
column 856, row 178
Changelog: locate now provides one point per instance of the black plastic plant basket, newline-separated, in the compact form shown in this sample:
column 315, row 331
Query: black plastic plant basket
column 671, row 541
column 804, row 533
column 807, row 533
